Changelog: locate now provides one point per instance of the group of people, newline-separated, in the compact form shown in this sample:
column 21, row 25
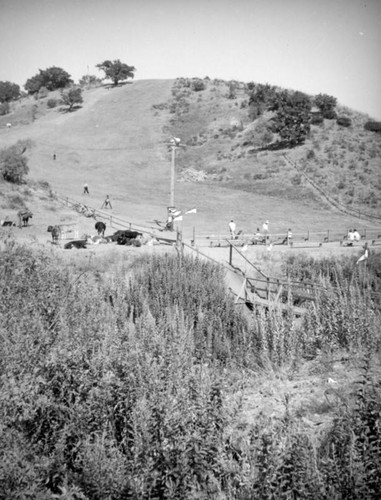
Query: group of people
column 264, row 237
column 352, row 236
column 260, row 236
column 105, row 204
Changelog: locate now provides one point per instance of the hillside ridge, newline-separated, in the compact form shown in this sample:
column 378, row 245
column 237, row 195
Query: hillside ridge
column 116, row 142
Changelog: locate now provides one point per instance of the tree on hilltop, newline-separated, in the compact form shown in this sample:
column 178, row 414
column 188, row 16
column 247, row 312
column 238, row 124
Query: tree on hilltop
column 292, row 119
column 326, row 103
column 72, row 96
column 9, row 91
column 116, row 70
column 260, row 95
column 52, row 78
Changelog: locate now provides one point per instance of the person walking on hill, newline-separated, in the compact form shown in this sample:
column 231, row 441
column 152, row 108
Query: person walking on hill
column 106, row 203
column 85, row 188
column 232, row 228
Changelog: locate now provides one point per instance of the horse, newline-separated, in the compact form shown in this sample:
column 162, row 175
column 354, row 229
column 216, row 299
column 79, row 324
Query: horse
column 24, row 216
column 100, row 227
column 56, row 233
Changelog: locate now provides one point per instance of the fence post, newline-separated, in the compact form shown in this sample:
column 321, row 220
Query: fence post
column 268, row 288
column 194, row 237
column 308, row 235
column 328, row 236
column 231, row 254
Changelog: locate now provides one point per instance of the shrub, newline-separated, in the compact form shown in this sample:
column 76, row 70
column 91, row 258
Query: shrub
column 4, row 108
column 13, row 166
column 52, row 103
column 317, row 119
column 310, row 154
column 330, row 114
column 198, row 85
column 344, row 121
column 373, row 126
column 296, row 179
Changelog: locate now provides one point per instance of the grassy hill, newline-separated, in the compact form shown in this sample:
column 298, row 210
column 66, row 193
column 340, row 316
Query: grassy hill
column 116, row 142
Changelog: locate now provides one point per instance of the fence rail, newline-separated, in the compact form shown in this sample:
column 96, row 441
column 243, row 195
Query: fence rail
column 327, row 236
column 340, row 206
column 113, row 221
column 220, row 239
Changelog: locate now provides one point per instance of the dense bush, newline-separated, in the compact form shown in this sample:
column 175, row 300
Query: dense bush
column 344, row 121
column 51, row 78
column 330, row 114
column 122, row 388
column 373, row 126
column 13, row 165
column 198, row 85
column 292, row 119
column 326, row 103
column 4, row 108
column 52, row 103
column 9, row 91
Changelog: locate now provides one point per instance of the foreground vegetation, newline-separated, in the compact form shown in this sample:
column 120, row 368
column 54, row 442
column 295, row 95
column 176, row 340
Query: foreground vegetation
column 127, row 385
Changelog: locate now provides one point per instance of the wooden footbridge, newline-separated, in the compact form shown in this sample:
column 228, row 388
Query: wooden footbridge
column 255, row 288
column 252, row 289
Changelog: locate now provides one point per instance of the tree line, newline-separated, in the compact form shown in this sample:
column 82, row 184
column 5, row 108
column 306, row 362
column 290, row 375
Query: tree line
column 56, row 78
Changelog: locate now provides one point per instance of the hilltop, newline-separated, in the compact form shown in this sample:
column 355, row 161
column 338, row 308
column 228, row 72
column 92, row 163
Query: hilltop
column 117, row 142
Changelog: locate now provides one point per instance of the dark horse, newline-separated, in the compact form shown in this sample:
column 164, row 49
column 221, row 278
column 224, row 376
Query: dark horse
column 24, row 216
column 101, row 228
column 56, row 233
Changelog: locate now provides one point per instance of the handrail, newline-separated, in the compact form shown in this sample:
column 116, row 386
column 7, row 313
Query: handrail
column 332, row 201
column 112, row 218
column 203, row 254
column 245, row 258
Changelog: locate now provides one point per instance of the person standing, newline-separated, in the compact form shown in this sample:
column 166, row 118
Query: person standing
column 106, row 203
column 365, row 255
column 356, row 235
column 232, row 228
column 85, row 188
column 265, row 230
column 288, row 238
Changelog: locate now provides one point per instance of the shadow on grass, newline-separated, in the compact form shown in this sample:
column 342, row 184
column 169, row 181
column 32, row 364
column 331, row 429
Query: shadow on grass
column 70, row 110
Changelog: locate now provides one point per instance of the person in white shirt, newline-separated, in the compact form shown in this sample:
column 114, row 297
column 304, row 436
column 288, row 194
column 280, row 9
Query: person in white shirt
column 288, row 238
column 356, row 235
column 350, row 238
column 265, row 230
column 232, row 228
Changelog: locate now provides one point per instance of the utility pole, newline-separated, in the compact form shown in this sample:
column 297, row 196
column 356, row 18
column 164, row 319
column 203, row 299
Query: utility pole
column 173, row 173
column 174, row 143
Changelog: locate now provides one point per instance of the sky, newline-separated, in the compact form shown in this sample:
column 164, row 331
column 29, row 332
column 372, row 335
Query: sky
column 315, row 46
